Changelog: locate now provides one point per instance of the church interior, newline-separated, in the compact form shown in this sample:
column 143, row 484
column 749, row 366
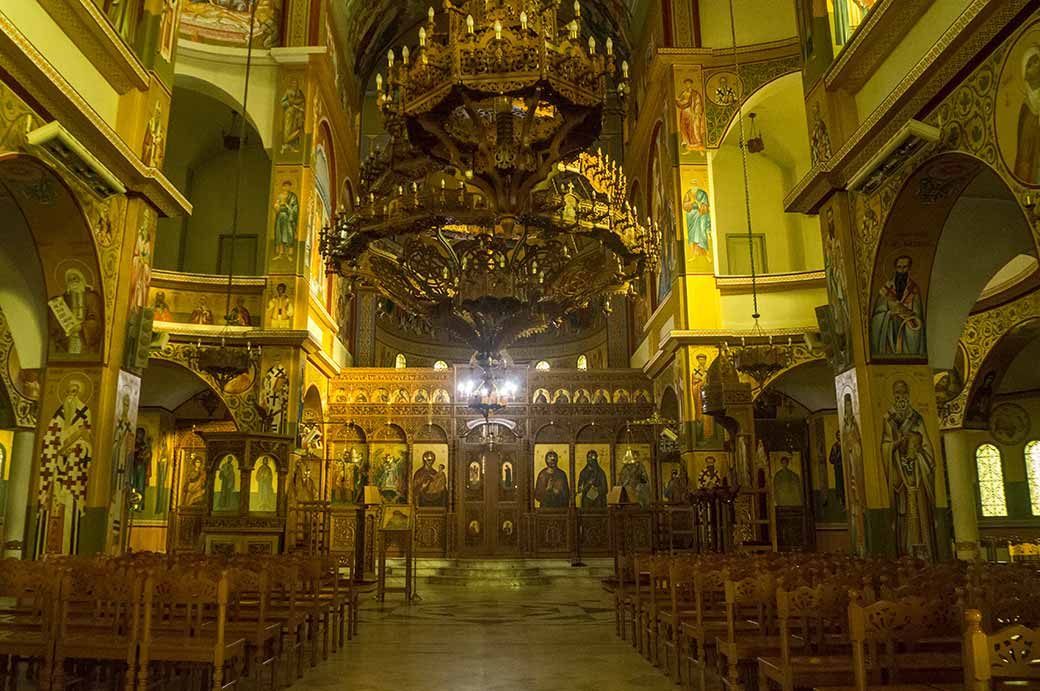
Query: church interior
column 520, row 344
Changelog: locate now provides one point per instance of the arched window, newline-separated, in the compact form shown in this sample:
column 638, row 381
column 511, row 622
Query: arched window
column 583, row 362
column 542, row 364
column 401, row 362
column 991, row 480
column 1033, row 474
column 440, row 364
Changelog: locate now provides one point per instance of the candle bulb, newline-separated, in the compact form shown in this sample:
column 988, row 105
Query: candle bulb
column 430, row 13
column 422, row 37
column 404, row 55
column 469, row 23
column 379, row 82
column 577, row 8
column 624, row 69
column 592, row 45
column 573, row 26
column 610, row 46
column 498, row 30
column 390, row 58
column 523, row 20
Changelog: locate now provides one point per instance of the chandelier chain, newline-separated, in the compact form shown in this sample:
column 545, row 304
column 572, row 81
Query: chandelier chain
column 744, row 162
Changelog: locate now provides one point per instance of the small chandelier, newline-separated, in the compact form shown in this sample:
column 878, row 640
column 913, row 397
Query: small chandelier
column 760, row 361
column 224, row 363
column 492, row 392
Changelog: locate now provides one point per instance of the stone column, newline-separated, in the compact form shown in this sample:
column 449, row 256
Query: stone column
column 960, row 459
column 18, row 493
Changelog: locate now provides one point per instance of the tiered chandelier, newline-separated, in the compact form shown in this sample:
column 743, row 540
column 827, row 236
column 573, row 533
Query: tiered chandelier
column 486, row 214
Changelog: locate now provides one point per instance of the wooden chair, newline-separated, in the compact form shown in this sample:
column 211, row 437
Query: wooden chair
column 249, row 591
column 820, row 613
column 750, row 624
column 284, row 608
column 658, row 593
column 1011, row 655
column 679, row 608
column 29, row 598
column 884, row 636
column 185, row 633
column 626, row 597
column 100, row 624
column 698, row 632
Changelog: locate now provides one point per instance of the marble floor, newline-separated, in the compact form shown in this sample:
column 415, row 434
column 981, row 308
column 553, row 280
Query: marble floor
column 490, row 639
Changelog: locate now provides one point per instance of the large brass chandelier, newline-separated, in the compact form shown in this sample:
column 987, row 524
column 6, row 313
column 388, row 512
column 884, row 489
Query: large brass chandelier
column 487, row 214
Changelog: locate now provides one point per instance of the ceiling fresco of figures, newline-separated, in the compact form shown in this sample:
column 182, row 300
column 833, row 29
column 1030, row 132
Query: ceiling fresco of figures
column 371, row 27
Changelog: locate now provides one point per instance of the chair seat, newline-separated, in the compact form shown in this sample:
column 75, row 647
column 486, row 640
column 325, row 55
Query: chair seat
column 182, row 649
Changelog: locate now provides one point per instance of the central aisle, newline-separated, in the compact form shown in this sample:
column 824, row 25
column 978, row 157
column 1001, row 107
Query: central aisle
column 490, row 639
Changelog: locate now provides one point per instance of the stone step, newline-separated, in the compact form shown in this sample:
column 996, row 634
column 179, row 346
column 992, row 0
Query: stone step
column 498, row 582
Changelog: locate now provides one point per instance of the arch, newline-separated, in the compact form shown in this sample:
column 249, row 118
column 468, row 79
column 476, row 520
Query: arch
column 432, row 434
column 669, row 407
column 325, row 168
column 583, row 362
column 593, row 433
column 809, row 383
column 542, row 365
column 769, row 90
column 389, row 432
column 987, row 379
column 1032, row 459
column 551, row 433
column 932, row 229
column 63, row 242
column 400, row 361
column 168, row 384
column 347, row 201
column 219, row 93
column 440, row 364
column 988, row 466
column 350, row 432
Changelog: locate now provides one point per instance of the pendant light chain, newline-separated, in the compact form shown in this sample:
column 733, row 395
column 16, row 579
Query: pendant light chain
column 744, row 161
column 238, row 166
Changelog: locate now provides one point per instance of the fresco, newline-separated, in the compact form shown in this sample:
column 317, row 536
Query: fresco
column 1017, row 111
column 689, row 112
column 263, row 486
column 152, row 467
column 390, row 471
column 348, row 472
column 699, row 240
column 76, row 314
column 847, row 390
column 203, row 308
column 193, row 478
column 709, row 469
column 226, row 22
column 826, row 470
column 785, row 471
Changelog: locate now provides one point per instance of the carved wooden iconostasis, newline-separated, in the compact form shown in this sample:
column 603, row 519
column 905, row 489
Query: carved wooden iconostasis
column 485, row 490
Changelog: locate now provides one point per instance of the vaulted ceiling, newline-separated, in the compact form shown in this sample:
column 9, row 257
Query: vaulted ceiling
column 371, row 27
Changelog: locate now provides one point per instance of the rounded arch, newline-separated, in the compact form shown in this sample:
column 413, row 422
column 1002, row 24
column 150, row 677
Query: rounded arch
column 431, row 433
column 551, row 433
column 929, row 253
column 669, row 406
column 47, row 239
column 169, row 384
column 390, row 432
column 325, row 167
column 220, row 93
column 758, row 102
column 593, row 433
column 1012, row 360
column 810, row 384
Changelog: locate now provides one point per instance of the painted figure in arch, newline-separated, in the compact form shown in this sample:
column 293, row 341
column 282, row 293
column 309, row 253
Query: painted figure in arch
column 265, row 485
column 787, row 485
column 280, row 309
column 839, row 471
column 592, row 483
column 122, row 445
column 141, row 267
column 274, row 398
column 154, row 139
column 1027, row 155
column 852, row 457
column 202, row 314
column 709, row 477
column 294, row 105
column 698, row 221
column 67, row 450
column 909, row 463
column 287, row 217
column 551, row 488
column 429, row 486
column 160, row 309
column 390, row 478
column 77, row 327
column 678, row 486
column 142, row 464
column 195, row 484
column 240, row 314
column 634, row 479
column 820, row 148
column 691, row 117
column 897, row 325
column 227, row 472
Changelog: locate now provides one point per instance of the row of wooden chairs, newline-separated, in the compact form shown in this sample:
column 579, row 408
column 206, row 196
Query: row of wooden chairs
column 806, row 621
column 147, row 621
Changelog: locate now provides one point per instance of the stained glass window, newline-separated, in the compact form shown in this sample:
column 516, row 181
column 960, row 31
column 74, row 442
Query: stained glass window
column 1033, row 474
column 991, row 480
column 401, row 361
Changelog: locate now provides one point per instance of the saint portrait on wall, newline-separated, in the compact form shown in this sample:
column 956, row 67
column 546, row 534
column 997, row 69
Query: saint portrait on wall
column 227, row 485
column 1017, row 111
column 591, row 490
column 286, row 220
column 897, row 322
column 847, row 389
column 76, row 314
column 551, row 485
column 430, row 480
column 690, row 104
